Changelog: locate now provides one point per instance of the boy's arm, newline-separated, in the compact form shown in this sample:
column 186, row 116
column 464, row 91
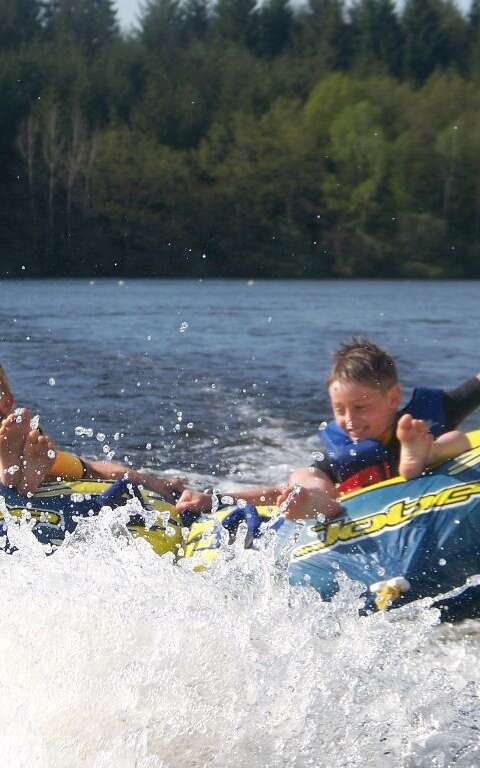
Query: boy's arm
column 461, row 401
column 309, row 493
column 109, row 470
column 199, row 501
column 315, row 494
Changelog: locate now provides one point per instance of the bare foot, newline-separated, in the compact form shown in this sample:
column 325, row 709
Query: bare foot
column 13, row 432
column 38, row 457
column 415, row 446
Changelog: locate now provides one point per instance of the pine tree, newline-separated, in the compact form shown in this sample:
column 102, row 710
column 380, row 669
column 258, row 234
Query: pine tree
column 377, row 35
column 237, row 21
column 88, row 24
column 275, row 23
column 162, row 28
column 323, row 31
column 435, row 37
column 196, row 19
column 19, row 22
column 474, row 38
column 474, row 15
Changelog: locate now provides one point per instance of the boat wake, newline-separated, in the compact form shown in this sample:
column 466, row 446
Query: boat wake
column 115, row 657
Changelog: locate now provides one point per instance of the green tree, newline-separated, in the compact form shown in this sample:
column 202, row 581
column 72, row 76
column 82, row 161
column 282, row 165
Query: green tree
column 89, row 24
column 355, row 189
column 377, row 35
column 196, row 19
column 265, row 189
column 474, row 38
column 19, row 22
column 275, row 21
column 161, row 26
column 322, row 38
column 237, row 22
column 435, row 37
column 141, row 191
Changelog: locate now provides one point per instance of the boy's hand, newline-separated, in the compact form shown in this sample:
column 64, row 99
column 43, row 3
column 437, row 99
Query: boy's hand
column 175, row 485
column 195, row 501
column 307, row 503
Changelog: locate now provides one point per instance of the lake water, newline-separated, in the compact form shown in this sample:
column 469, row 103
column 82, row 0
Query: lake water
column 116, row 658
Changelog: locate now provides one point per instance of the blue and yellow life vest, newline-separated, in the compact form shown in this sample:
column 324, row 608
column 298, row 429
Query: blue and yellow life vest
column 360, row 464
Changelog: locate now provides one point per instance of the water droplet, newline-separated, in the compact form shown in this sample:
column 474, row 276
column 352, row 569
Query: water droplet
column 442, row 561
column 241, row 503
column 106, row 448
column 100, row 437
column 116, row 436
column 190, row 425
column 323, row 425
column 318, row 456
column 183, row 327
column 13, row 469
column 148, row 446
column 52, row 381
column 353, row 452
column 34, row 422
column 51, row 453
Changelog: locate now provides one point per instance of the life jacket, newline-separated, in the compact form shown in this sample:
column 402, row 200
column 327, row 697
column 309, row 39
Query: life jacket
column 360, row 464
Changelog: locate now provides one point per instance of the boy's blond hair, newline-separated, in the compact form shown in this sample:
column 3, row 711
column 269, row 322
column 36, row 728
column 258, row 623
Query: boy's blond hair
column 362, row 362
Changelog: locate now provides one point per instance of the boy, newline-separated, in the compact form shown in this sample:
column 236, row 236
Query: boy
column 27, row 457
column 369, row 439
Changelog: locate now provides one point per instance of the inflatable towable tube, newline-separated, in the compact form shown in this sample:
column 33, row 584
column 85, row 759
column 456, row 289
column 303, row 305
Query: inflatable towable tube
column 56, row 508
column 401, row 540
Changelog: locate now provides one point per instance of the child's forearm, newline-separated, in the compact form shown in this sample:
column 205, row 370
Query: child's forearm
column 108, row 470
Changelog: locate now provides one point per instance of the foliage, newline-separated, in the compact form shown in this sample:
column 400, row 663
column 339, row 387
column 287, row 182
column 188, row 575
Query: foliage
column 236, row 138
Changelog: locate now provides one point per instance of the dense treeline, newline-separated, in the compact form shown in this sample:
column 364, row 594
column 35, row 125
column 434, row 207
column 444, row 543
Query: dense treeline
column 328, row 139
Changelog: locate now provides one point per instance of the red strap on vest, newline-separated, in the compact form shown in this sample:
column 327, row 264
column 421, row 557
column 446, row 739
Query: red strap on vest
column 366, row 477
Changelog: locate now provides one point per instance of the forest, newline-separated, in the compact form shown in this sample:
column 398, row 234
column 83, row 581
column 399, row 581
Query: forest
column 231, row 138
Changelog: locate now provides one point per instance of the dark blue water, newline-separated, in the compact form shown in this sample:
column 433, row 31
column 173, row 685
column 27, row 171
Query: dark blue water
column 219, row 377
column 228, row 668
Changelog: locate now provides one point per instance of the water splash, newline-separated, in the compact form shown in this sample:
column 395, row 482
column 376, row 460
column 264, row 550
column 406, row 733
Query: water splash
column 114, row 657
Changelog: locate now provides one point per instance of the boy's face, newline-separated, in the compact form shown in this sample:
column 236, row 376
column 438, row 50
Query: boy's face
column 362, row 411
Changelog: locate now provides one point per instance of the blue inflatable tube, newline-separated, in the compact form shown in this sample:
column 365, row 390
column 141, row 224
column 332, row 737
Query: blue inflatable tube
column 401, row 540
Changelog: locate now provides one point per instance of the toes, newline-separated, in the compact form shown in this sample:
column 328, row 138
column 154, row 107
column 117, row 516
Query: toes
column 21, row 416
column 33, row 437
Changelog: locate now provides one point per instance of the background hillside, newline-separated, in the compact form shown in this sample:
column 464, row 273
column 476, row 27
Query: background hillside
column 228, row 139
